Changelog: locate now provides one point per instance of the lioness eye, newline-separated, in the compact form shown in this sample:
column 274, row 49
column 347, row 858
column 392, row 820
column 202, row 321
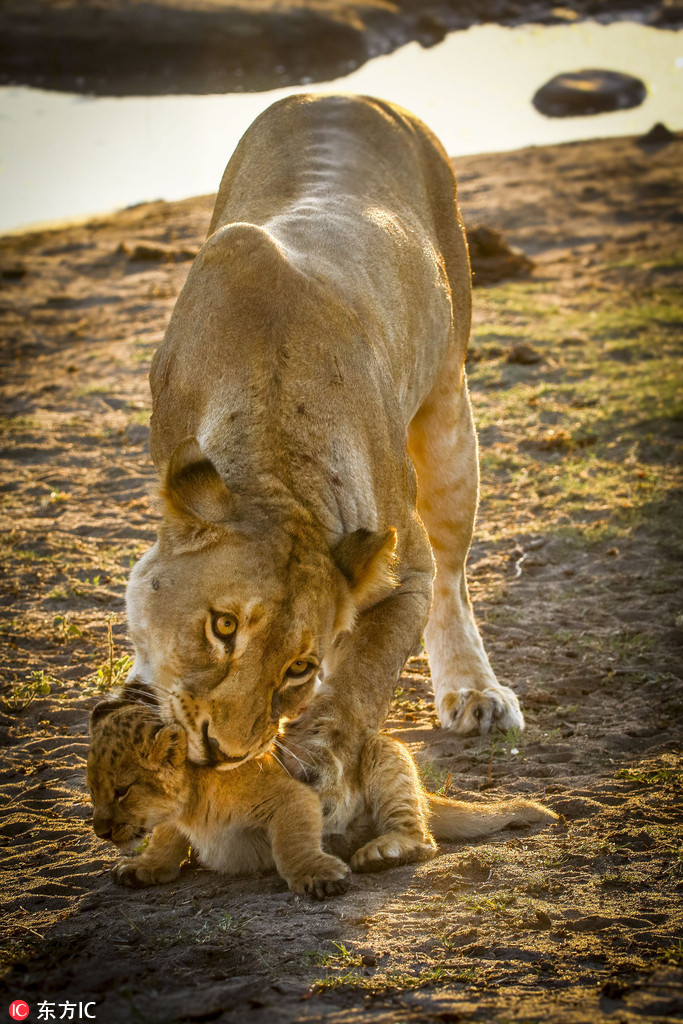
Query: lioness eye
column 224, row 626
column 121, row 794
column 299, row 668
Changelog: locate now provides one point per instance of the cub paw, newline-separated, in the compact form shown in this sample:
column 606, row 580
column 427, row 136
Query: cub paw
column 469, row 711
column 131, row 872
column 328, row 877
column 391, row 850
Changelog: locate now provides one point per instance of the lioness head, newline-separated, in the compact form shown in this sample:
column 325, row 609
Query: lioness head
column 135, row 773
column 236, row 606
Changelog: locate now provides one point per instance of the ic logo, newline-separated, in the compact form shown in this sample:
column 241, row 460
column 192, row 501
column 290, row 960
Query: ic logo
column 19, row 1010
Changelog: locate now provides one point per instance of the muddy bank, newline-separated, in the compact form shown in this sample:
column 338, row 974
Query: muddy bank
column 576, row 577
column 153, row 47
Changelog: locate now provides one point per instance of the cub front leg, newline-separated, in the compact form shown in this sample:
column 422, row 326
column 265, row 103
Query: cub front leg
column 394, row 798
column 295, row 834
column 159, row 862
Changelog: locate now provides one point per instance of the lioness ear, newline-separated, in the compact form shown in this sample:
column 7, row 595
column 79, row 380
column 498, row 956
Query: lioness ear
column 367, row 562
column 193, row 488
column 169, row 747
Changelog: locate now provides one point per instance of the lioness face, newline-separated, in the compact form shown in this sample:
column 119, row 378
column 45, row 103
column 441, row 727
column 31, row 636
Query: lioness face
column 234, row 609
column 231, row 638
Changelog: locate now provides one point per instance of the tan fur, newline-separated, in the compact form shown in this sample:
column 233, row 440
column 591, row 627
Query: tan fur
column 313, row 435
column 257, row 816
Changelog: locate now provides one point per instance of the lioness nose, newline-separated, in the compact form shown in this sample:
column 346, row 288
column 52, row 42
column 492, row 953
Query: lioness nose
column 212, row 747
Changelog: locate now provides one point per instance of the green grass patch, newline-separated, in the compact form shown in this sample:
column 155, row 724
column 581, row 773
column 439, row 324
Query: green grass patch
column 590, row 438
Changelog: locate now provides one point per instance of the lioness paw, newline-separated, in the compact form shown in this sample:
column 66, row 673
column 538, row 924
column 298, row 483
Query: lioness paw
column 328, row 876
column 469, row 711
column 391, row 850
column 134, row 873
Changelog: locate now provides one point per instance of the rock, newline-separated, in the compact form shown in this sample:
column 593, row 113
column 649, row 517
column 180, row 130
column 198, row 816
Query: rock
column 493, row 259
column 156, row 252
column 578, row 93
column 430, row 30
column 657, row 138
column 525, row 355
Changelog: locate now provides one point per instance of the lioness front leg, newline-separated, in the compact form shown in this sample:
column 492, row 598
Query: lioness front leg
column 360, row 678
column 443, row 446
column 159, row 862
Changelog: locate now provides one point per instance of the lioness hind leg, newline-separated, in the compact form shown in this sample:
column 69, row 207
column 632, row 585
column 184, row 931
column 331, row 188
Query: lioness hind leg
column 395, row 800
column 442, row 444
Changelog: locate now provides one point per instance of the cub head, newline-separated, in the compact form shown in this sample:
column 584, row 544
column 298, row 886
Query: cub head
column 237, row 606
column 135, row 772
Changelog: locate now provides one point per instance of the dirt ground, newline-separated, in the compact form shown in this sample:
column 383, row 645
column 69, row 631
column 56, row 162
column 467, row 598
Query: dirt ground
column 141, row 47
column 575, row 573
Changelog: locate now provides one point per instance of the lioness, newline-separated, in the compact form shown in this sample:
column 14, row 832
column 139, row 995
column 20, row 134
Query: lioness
column 258, row 816
column 311, row 375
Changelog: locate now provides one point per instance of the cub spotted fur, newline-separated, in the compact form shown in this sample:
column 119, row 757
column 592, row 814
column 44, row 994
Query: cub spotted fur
column 257, row 816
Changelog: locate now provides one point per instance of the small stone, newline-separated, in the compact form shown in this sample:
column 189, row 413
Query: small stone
column 524, row 355
column 430, row 30
column 657, row 137
column 141, row 250
column 493, row 259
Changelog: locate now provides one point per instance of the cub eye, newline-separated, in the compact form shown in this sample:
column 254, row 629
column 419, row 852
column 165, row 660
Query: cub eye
column 299, row 668
column 223, row 625
column 121, row 794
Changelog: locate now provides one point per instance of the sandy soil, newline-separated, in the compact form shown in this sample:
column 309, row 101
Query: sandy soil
column 576, row 577
column 120, row 47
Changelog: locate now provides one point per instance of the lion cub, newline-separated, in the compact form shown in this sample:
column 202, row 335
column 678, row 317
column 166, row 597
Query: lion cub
column 256, row 816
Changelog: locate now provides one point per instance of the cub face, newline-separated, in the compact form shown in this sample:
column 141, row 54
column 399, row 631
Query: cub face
column 135, row 771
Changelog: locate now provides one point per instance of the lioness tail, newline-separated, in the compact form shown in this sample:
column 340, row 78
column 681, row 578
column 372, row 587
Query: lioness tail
column 451, row 820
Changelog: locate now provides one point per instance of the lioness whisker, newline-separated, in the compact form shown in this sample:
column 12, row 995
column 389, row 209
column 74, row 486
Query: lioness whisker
column 284, row 767
column 291, row 744
column 304, row 764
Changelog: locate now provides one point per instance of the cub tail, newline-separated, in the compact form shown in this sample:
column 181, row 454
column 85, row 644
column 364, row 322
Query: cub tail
column 453, row 820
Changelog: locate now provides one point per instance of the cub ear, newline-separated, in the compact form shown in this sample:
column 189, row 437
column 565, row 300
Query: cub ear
column 367, row 561
column 104, row 708
column 169, row 747
column 193, row 488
